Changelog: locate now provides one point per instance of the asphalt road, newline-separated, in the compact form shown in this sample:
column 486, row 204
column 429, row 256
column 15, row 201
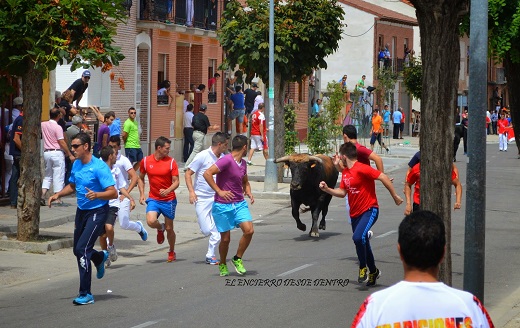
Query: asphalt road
column 142, row 290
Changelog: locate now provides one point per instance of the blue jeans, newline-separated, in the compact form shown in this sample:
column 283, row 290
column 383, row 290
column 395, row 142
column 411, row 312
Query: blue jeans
column 360, row 227
column 89, row 224
column 13, row 182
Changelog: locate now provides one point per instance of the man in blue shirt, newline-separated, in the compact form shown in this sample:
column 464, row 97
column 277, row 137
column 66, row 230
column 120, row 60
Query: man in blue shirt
column 239, row 109
column 94, row 186
column 396, row 117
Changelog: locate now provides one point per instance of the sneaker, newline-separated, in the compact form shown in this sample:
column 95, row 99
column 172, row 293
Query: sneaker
column 112, row 252
column 171, row 256
column 143, row 233
column 222, row 267
column 370, row 234
column 362, row 275
column 108, row 262
column 84, row 299
column 239, row 266
column 249, row 163
column 372, row 277
column 212, row 260
column 101, row 267
column 160, row 235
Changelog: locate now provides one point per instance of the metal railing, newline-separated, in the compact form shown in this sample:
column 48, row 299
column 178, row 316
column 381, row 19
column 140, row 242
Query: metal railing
column 193, row 13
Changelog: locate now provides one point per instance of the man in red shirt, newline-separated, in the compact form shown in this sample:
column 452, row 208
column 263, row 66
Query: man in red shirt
column 258, row 133
column 413, row 176
column 163, row 175
column 358, row 181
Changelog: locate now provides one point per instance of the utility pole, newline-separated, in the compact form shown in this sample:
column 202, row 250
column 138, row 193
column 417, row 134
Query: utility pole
column 271, row 173
column 474, row 241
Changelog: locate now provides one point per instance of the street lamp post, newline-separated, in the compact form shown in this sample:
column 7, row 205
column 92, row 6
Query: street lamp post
column 271, row 174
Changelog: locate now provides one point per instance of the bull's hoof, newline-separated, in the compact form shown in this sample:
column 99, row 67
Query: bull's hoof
column 301, row 226
column 314, row 234
column 322, row 226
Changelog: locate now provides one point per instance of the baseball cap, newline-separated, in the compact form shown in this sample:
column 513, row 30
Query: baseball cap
column 203, row 107
column 86, row 73
column 18, row 101
column 254, row 85
column 76, row 119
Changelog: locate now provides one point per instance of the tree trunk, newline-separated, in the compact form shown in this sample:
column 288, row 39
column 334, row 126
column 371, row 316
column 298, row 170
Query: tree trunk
column 30, row 181
column 439, row 28
column 513, row 84
column 279, row 122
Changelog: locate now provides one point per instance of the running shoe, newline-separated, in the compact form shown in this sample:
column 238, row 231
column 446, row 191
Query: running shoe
column 171, row 256
column 160, row 235
column 249, row 163
column 101, row 267
column 84, row 299
column 143, row 233
column 212, row 260
column 108, row 262
column 112, row 252
column 362, row 277
column 222, row 267
column 372, row 277
column 239, row 266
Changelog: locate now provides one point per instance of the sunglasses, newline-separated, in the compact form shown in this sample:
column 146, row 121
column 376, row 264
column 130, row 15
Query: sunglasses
column 75, row 146
column 87, row 77
column 132, row 113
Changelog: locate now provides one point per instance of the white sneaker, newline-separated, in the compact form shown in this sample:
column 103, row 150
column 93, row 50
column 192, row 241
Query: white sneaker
column 370, row 234
column 112, row 253
column 108, row 262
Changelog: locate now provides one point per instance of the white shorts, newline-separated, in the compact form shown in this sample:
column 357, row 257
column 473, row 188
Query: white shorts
column 256, row 142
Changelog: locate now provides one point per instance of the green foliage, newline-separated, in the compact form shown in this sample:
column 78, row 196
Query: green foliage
column 504, row 29
column 412, row 78
column 291, row 136
column 325, row 128
column 386, row 84
column 47, row 32
column 306, row 32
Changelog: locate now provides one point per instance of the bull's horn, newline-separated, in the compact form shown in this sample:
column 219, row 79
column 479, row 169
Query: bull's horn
column 282, row 159
column 315, row 158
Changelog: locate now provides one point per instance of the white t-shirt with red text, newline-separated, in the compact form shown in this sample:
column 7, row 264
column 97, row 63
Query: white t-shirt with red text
column 421, row 304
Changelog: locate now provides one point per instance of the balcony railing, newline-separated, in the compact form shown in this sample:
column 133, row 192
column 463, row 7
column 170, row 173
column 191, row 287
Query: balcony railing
column 193, row 13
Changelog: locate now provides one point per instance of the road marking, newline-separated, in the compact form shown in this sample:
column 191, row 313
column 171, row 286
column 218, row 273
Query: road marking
column 146, row 324
column 258, row 221
column 295, row 270
column 386, row 234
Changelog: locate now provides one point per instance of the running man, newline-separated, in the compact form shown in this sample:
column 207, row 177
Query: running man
column 358, row 181
column 127, row 170
column 163, row 175
column 106, row 241
column 230, row 210
column 202, row 195
column 94, row 186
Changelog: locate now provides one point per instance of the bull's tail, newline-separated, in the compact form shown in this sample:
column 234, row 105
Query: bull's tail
column 304, row 209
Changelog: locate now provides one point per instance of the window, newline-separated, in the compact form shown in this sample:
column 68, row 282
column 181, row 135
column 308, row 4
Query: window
column 213, row 78
column 163, row 87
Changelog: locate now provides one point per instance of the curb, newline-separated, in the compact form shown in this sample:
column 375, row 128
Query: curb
column 56, row 221
column 37, row 247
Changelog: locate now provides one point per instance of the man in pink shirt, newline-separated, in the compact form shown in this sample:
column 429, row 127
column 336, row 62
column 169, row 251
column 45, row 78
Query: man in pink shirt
column 54, row 149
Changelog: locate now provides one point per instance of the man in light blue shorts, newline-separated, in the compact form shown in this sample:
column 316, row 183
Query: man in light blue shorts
column 230, row 210
column 239, row 110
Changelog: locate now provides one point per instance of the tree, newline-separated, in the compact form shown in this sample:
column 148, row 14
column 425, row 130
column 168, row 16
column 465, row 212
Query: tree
column 305, row 33
column 325, row 127
column 412, row 78
column 439, row 28
column 35, row 37
column 504, row 44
